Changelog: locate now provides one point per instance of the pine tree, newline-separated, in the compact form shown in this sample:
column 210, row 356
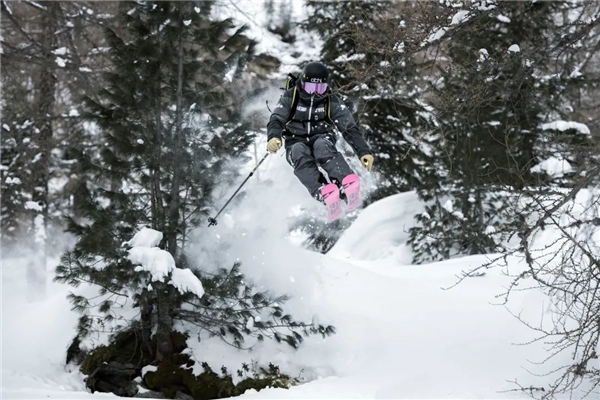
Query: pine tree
column 170, row 123
column 491, row 106
column 46, row 58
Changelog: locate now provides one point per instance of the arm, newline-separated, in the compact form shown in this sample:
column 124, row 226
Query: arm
column 279, row 116
column 343, row 120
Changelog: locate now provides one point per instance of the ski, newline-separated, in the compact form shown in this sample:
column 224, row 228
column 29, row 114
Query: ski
column 351, row 185
column 331, row 197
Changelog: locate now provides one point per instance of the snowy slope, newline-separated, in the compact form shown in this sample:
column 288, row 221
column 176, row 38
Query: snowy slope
column 35, row 336
column 399, row 334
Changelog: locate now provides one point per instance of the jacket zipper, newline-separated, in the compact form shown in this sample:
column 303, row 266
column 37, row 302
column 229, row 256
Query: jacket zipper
column 310, row 112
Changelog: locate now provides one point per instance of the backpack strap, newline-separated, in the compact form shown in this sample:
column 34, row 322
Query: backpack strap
column 328, row 110
column 291, row 81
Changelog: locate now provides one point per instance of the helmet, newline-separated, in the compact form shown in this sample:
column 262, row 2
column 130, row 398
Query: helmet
column 314, row 78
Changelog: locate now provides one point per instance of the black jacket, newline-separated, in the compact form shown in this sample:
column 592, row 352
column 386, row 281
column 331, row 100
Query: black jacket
column 310, row 119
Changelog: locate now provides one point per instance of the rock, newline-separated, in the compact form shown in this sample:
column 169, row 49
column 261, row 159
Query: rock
column 114, row 378
column 75, row 354
column 183, row 396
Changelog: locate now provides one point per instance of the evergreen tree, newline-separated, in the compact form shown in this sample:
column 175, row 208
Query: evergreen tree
column 491, row 107
column 170, row 123
column 43, row 74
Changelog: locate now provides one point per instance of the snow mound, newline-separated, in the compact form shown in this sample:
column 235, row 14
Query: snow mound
column 381, row 231
column 554, row 167
column 566, row 125
column 514, row 49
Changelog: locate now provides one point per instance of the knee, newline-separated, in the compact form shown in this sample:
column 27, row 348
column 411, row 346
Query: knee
column 324, row 149
column 297, row 153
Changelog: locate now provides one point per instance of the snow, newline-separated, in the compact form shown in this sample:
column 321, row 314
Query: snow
column 187, row 22
column 34, row 205
column 514, row 49
column 438, row 34
column 503, row 18
column 448, row 206
column 483, row 55
column 388, row 233
column 149, row 368
column 353, row 57
column 566, row 125
column 146, row 237
column 13, row 181
column 486, row 5
column 399, row 334
column 229, row 75
column 576, row 73
column 160, row 263
column 37, row 5
column 154, row 260
column 60, row 51
column 459, row 17
column 553, row 166
column 60, row 62
column 185, row 281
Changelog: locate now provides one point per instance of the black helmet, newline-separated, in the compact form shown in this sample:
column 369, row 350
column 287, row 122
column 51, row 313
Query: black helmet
column 315, row 72
column 314, row 78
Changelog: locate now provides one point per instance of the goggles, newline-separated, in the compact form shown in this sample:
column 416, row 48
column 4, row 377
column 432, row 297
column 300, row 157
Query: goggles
column 311, row 87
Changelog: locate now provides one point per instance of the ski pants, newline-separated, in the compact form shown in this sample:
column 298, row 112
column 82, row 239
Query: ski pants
column 318, row 151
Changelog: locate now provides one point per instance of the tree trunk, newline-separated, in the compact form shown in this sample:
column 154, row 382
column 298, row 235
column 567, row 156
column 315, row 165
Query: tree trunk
column 146, row 313
column 164, row 342
column 45, row 101
column 156, row 199
column 175, row 200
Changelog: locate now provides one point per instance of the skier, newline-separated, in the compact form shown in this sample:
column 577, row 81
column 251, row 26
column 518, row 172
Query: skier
column 305, row 117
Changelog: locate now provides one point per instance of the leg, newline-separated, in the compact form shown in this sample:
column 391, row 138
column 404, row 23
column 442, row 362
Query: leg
column 300, row 157
column 331, row 160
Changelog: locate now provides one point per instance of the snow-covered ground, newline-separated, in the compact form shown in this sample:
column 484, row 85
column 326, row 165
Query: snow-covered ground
column 399, row 333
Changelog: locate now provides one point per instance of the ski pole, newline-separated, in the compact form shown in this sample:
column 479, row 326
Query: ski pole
column 213, row 221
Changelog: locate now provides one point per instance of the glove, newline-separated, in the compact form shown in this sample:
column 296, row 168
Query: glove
column 367, row 160
column 274, row 145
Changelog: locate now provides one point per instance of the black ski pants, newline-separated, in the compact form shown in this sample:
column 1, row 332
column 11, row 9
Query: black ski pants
column 307, row 154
